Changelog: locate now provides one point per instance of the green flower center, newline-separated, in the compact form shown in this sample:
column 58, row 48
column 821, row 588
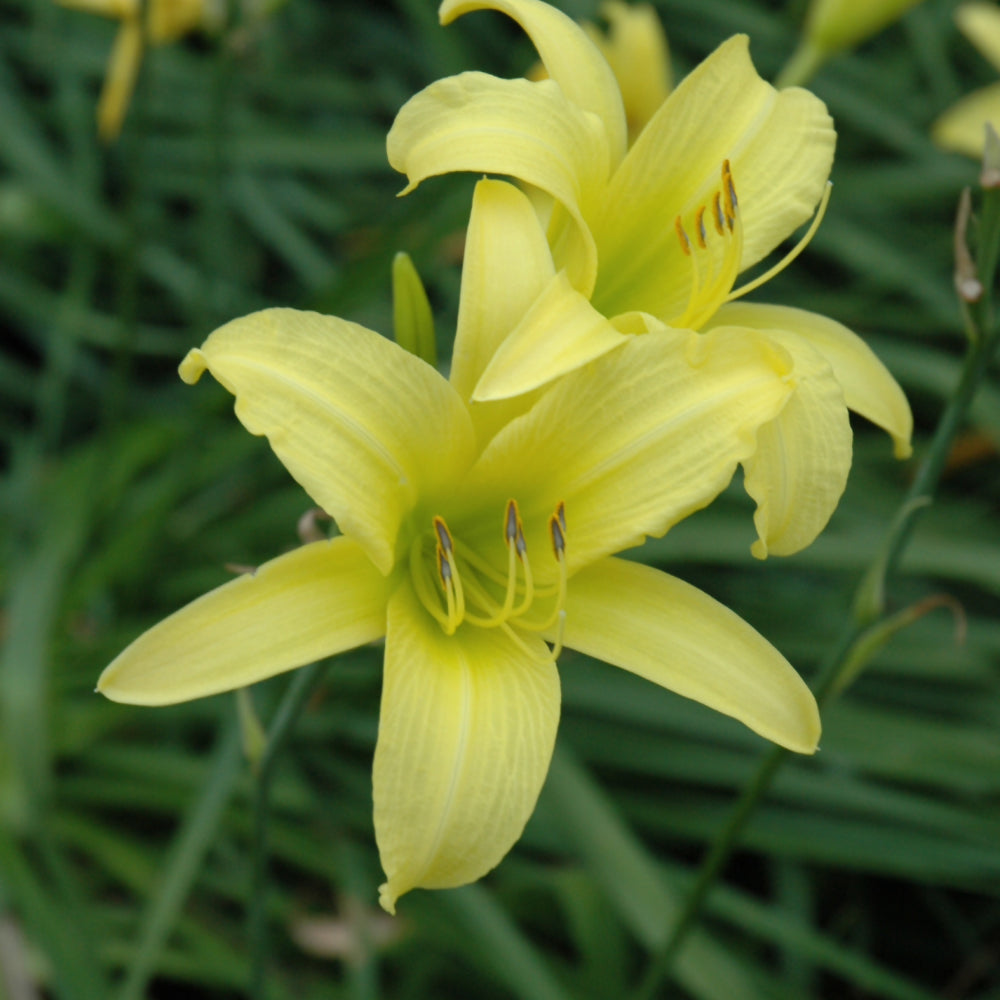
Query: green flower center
column 457, row 585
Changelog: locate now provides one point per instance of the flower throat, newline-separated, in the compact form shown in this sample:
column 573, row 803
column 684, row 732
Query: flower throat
column 462, row 587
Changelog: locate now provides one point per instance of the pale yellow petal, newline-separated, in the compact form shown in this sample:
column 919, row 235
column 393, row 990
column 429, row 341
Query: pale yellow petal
column 962, row 128
column 527, row 130
column 314, row 601
column 561, row 332
column 507, row 266
column 636, row 49
column 123, row 70
column 798, row 471
column 570, row 58
column 780, row 148
column 635, row 441
column 364, row 426
column 670, row 633
column 980, row 23
column 465, row 736
column 869, row 388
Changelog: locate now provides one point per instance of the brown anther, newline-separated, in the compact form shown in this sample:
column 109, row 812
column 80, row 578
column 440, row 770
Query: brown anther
column 557, row 529
column 682, row 236
column 558, row 538
column 699, row 222
column 444, row 566
column 717, row 216
column 444, row 535
column 511, row 521
column 729, row 194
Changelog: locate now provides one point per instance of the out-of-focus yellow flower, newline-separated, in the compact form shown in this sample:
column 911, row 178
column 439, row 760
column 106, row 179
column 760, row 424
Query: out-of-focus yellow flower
column 961, row 128
column 635, row 47
column 473, row 537
column 655, row 234
column 166, row 21
column 834, row 25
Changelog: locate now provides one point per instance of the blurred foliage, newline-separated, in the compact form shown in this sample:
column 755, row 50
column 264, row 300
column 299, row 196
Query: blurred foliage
column 251, row 171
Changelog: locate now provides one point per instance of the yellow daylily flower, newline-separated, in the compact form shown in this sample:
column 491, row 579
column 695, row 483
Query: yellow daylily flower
column 657, row 234
column 831, row 26
column 479, row 540
column 962, row 128
column 166, row 21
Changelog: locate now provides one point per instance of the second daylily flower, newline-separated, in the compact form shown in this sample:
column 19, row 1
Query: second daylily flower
column 657, row 234
column 479, row 540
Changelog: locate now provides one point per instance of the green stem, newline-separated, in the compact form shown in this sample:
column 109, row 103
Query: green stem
column 977, row 361
column 301, row 687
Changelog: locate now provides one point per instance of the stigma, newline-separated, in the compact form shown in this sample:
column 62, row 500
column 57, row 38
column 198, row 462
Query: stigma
column 458, row 585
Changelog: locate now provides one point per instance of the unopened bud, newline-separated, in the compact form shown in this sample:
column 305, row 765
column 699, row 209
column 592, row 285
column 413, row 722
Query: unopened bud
column 413, row 321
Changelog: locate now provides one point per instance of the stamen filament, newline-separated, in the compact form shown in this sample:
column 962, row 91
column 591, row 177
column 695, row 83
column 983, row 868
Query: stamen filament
column 427, row 595
column 451, row 579
column 791, row 255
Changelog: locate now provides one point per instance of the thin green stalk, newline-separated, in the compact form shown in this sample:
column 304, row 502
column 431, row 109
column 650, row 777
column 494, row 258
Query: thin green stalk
column 983, row 340
column 302, row 685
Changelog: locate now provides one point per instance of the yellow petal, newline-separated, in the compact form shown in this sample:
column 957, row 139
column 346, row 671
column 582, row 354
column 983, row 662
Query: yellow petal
column 465, row 735
column 636, row 49
column 780, row 148
column 980, row 23
column 527, row 130
column 314, row 601
column 869, row 388
column 364, row 426
column 570, row 58
column 962, row 127
column 670, row 633
column 558, row 334
column 636, row 441
column 507, row 266
column 123, row 70
column 799, row 469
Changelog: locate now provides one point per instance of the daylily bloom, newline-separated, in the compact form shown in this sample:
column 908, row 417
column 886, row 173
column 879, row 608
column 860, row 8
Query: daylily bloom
column 657, row 234
column 478, row 539
column 832, row 26
column 961, row 128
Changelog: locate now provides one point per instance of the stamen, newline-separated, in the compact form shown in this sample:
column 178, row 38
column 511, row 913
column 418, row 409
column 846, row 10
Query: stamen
column 558, row 532
column 729, row 193
column 791, row 255
column 422, row 584
column 699, row 226
column 451, row 579
column 557, row 646
column 682, row 236
column 717, row 214
column 712, row 274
